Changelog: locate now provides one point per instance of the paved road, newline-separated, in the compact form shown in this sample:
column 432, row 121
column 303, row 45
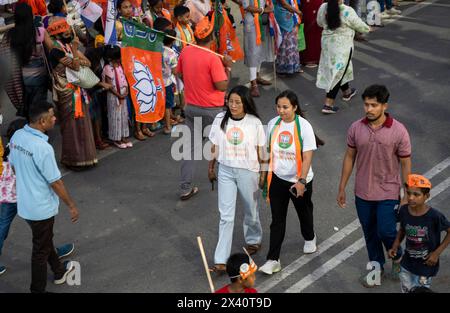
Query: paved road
column 134, row 235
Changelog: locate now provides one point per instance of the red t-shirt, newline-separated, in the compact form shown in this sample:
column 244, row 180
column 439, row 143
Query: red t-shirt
column 226, row 290
column 200, row 70
column 37, row 6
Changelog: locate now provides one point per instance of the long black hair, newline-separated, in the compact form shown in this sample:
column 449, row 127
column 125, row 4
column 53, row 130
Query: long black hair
column 23, row 35
column 293, row 99
column 333, row 14
column 247, row 101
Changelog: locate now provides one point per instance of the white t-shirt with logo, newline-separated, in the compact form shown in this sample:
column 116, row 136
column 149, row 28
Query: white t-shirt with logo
column 284, row 160
column 238, row 144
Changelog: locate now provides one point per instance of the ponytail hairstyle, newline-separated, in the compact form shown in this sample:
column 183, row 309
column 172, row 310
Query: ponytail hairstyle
column 293, row 99
column 247, row 102
column 333, row 14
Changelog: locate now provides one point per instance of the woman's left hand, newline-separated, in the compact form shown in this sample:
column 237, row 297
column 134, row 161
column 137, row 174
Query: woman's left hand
column 300, row 189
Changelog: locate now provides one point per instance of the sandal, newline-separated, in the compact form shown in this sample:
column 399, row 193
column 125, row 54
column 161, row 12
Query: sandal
column 147, row 132
column 120, row 145
column 253, row 248
column 157, row 126
column 219, row 269
column 139, row 136
column 190, row 194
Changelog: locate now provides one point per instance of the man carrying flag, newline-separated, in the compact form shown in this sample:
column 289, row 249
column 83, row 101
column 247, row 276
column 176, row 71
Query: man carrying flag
column 141, row 51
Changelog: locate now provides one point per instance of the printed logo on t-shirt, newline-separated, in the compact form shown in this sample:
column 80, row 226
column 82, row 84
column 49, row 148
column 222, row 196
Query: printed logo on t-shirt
column 285, row 140
column 235, row 136
column 417, row 241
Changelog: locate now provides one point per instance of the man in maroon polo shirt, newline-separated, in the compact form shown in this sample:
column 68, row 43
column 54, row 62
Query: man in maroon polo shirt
column 381, row 146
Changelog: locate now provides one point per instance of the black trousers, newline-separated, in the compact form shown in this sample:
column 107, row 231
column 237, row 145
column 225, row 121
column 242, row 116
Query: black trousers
column 279, row 202
column 43, row 252
column 333, row 92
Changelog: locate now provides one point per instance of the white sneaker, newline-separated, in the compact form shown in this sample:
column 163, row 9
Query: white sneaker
column 69, row 266
column 310, row 246
column 270, row 267
column 393, row 11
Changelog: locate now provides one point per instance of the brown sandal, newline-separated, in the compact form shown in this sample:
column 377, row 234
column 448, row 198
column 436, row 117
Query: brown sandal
column 147, row 132
column 219, row 269
column 252, row 248
column 139, row 136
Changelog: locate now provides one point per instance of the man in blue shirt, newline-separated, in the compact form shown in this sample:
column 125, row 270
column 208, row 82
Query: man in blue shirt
column 39, row 184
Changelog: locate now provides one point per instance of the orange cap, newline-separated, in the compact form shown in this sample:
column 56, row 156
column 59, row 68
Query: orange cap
column 203, row 28
column 418, row 181
column 58, row 26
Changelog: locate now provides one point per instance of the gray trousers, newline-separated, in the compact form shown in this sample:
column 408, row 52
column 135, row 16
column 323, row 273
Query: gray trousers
column 203, row 117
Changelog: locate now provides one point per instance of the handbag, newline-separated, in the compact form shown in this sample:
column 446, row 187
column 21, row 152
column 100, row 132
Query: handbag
column 84, row 77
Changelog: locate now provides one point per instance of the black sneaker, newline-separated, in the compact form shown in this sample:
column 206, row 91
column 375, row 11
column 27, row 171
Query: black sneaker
column 69, row 266
column 329, row 110
column 350, row 96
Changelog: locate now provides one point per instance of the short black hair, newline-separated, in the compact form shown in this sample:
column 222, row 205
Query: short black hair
column 234, row 264
column 376, row 91
column 180, row 10
column 112, row 53
column 55, row 6
column 152, row 3
column 12, row 128
column 167, row 40
column 421, row 289
column 37, row 109
column 205, row 40
column 161, row 23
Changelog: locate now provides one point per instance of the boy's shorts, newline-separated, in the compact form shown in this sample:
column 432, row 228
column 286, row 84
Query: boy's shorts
column 409, row 281
column 170, row 97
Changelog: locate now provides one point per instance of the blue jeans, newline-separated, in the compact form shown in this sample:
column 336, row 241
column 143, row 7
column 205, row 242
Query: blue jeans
column 230, row 180
column 378, row 220
column 7, row 213
column 388, row 4
column 409, row 281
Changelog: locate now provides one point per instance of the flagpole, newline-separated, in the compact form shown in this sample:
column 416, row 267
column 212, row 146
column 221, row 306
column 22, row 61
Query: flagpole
column 194, row 45
column 205, row 263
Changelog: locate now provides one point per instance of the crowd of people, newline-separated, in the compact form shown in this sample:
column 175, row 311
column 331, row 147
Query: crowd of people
column 44, row 50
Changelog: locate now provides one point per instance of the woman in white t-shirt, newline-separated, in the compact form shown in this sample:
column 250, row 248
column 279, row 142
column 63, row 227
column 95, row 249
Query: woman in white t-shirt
column 238, row 140
column 291, row 142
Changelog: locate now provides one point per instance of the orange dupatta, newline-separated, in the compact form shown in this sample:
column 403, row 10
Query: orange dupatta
column 255, row 20
column 183, row 35
column 298, row 150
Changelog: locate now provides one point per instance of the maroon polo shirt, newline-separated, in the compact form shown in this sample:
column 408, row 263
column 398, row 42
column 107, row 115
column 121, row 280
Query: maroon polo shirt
column 378, row 153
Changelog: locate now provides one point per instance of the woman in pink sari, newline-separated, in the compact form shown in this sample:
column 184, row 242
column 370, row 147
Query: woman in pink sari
column 313, row 33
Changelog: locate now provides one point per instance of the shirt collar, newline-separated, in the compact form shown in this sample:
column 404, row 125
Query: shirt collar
column 387, row 123
column 35, row 132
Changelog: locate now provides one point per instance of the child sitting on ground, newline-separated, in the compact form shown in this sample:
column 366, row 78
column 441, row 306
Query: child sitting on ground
column 422, row 226
column 241, row 269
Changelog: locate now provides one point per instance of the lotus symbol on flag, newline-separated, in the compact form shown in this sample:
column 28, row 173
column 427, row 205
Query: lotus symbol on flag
column 146, row 88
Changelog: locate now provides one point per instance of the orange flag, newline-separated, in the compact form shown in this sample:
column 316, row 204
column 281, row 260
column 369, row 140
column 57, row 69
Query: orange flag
column 141, row 52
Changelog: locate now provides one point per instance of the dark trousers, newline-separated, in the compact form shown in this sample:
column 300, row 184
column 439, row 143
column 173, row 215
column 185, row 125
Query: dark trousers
column 43, row 252
column 379, row 223
column 279, row 202
column 333, row 92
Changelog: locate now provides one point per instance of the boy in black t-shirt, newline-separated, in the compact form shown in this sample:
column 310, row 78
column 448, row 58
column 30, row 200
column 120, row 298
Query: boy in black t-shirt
column 422, row 227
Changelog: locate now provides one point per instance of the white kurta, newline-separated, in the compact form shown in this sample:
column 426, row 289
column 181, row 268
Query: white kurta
column 336, row 47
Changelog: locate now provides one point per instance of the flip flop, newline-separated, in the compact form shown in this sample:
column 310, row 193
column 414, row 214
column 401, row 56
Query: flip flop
column 189, row 195
column 219, row 269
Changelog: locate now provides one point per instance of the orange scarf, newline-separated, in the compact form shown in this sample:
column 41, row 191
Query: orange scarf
column 298, row 150
column 77, row 104
column 255, row 20
column 183, row 35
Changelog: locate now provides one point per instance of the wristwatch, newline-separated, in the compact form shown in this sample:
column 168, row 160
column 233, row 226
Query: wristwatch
column 302, row 181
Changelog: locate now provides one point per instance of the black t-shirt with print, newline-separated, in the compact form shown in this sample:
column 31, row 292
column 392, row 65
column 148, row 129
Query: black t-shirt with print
column 423, row 236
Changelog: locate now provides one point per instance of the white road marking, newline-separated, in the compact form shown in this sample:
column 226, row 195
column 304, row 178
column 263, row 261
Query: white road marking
column 438, row 168
column 348, row 252
column 328, row 266
column 305, row 259
column 344, row 232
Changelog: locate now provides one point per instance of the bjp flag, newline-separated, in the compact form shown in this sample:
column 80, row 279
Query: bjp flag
column 141, row 52
column 227, row 41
